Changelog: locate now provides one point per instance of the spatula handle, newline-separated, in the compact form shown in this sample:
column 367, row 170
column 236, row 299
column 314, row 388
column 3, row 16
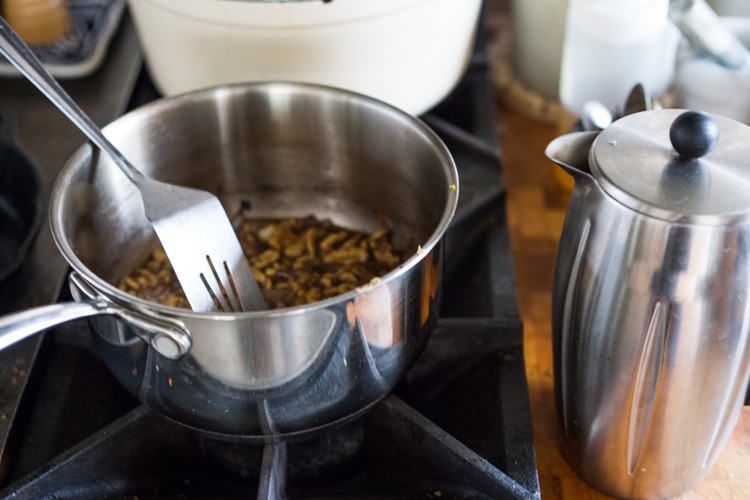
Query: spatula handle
column 23, row 58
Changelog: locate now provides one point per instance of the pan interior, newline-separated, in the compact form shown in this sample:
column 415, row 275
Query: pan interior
column 282, row 149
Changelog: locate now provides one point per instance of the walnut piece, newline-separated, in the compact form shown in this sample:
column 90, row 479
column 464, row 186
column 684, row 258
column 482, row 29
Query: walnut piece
column 295, row 261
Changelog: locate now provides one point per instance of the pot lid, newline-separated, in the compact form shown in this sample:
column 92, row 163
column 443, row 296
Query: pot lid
column 676, row 165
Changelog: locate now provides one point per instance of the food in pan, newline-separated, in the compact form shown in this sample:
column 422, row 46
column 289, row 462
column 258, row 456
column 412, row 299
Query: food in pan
column 295, row 261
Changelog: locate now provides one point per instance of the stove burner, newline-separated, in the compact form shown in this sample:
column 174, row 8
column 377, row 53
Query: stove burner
column 307, row 463
column 462, row 437
column 457, row 425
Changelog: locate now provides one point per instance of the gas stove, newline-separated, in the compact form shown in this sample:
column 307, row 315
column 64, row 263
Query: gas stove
column 457, row 425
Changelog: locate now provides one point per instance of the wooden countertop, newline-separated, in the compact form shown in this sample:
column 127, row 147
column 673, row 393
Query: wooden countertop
column 536, row 205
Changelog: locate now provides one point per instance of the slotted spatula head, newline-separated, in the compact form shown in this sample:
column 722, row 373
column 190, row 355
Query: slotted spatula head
column 202, row 247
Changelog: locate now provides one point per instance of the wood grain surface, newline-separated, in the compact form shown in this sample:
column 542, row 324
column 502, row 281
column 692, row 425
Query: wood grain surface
column 536, row 205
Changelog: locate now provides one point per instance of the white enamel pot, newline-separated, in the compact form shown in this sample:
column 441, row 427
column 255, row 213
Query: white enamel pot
column 408, row 53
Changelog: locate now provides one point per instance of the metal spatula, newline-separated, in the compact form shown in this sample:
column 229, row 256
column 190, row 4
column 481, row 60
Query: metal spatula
column 192, row 225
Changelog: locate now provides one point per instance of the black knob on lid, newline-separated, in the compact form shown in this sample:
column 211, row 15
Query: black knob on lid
column 693, row 134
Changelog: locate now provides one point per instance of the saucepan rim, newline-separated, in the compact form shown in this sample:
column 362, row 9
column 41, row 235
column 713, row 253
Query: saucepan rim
column 103, row 286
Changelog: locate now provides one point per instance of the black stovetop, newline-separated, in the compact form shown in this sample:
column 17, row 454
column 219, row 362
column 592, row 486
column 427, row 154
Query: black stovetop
column 458, row 425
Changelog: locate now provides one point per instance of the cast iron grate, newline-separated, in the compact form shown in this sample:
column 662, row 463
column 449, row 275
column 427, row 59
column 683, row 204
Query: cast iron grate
column 458, row 425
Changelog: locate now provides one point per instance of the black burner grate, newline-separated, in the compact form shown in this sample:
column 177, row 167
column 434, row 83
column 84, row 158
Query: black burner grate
column 458, row 425
column 465, row 436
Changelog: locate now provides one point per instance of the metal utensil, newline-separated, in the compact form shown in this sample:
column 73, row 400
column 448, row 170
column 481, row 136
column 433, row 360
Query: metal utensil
column 595, row 116
column 191, row 224
column 636, row 101
column 701, row 26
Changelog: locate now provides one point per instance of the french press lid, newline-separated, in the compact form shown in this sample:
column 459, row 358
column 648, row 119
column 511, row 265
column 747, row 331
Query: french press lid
column 676, row 165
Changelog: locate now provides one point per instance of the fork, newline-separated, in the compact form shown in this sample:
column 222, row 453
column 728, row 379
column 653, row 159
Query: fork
column 191, row 224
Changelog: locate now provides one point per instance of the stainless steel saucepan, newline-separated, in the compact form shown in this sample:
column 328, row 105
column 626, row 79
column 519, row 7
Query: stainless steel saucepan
column 285, row 149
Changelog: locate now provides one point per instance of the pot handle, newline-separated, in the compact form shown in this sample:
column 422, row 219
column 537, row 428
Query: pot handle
column 16, row 327
column 168, row 338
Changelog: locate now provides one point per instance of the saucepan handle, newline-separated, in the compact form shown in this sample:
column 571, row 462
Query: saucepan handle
column 169, row 338
column 18, row 326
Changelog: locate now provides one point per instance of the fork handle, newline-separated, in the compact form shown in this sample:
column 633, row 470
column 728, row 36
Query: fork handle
column 22, row 57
